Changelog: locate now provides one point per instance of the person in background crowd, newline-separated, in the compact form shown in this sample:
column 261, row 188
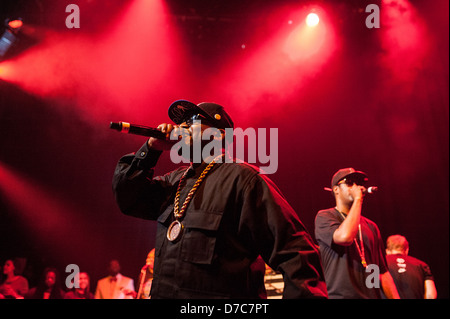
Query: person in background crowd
column 146, row 277
column 115, row 285
column 49, row 286
column 412, row 276
column 14, row 286
column 84, row 289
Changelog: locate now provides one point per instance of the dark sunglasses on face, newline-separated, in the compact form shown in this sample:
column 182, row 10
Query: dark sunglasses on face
column 196, row 117
column 350, row 182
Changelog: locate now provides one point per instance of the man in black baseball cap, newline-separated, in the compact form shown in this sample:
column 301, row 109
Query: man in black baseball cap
column 191, row 120
column 215, row 218
column 212, row 113
column 349, row 174
column 349, row 242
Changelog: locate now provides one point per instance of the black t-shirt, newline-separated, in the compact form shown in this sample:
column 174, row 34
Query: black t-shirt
column 345, row 275
column 409, row 275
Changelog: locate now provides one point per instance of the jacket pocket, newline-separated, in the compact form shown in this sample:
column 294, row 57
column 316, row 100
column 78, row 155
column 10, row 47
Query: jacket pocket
column 200, row 236
column 165, row 217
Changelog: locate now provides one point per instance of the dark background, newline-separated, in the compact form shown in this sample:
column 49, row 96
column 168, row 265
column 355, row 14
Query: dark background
column 57, row 155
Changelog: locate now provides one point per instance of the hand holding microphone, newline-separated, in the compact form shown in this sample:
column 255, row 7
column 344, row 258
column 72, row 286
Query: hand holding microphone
column 159, row 137
column 362, row 191
column 162, row 144
column 368, row 190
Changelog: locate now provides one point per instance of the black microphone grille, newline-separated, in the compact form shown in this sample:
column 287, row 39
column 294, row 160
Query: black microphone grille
column 115, row 126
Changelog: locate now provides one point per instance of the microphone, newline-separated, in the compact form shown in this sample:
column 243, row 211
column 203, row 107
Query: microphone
column 126, row 127
column 368, row 190
column 371, row 190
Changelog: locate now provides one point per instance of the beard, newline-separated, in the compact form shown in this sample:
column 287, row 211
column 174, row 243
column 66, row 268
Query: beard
column 193, row 151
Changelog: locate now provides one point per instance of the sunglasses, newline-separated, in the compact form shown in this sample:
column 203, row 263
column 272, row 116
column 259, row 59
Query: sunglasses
column 350, row 182
column 196, row 117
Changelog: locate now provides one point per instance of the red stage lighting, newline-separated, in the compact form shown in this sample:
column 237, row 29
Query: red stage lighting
column 310, row 40
column 51, row 221
column 404, row 38
column 15, row 24
column 5, row 71
column 118, row 71
column 281, row 65
column 312, row 19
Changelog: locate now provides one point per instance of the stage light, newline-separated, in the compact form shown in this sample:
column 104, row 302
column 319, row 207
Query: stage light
column 15, row 24
column 118, row 61
column 6, row 42
column 310, row 42
column 9, row 36
column 312, row 20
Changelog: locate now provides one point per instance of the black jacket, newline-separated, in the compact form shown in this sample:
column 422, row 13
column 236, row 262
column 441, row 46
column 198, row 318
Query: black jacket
column 235, row 215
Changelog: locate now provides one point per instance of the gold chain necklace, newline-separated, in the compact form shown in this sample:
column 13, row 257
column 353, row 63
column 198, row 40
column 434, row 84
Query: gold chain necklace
column 176, row 227
column 360, row 249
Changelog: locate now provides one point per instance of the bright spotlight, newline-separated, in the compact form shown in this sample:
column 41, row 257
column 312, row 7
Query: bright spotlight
column 15, row 24
column 312, row 20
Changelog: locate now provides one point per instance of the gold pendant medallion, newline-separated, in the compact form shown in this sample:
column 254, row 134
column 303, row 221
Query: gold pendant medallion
column 174, row 230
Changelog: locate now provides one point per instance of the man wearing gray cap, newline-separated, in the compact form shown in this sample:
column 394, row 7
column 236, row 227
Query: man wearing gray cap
column 351, row 247
column 215, row 217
